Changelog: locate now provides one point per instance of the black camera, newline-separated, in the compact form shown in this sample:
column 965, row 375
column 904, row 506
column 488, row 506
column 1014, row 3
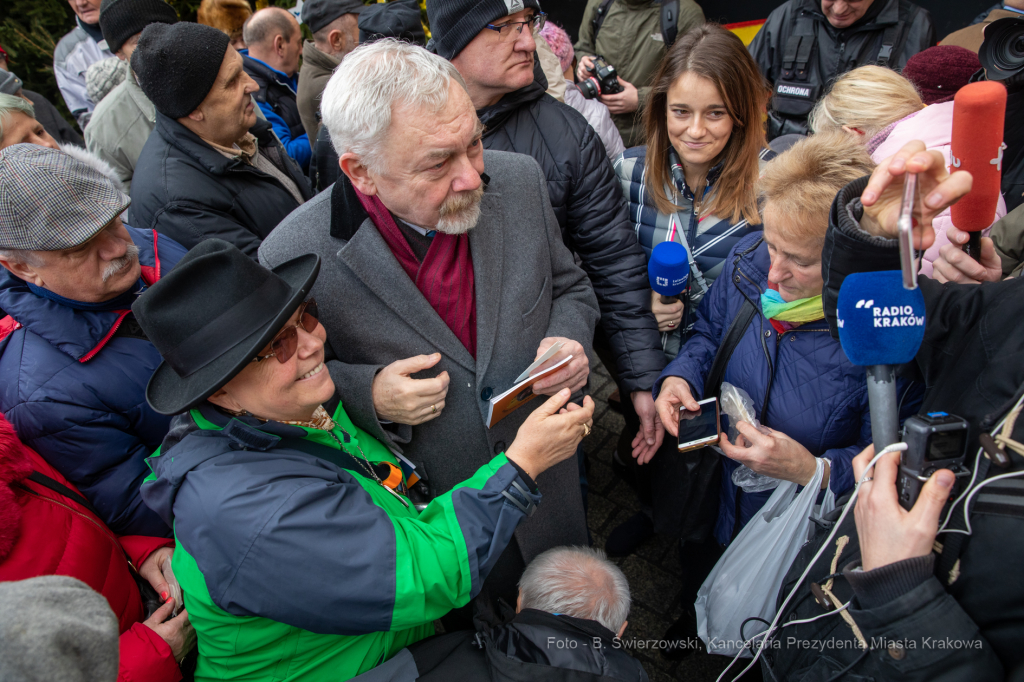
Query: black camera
column 1002, row 53
column 934, row 441
column 605, row 80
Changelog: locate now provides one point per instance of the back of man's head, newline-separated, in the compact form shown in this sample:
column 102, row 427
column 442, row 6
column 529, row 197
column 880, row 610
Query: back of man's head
column 578, row 582
column 262, row 27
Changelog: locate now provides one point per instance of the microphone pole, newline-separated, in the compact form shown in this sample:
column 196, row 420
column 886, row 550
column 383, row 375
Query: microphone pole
column 885, row 418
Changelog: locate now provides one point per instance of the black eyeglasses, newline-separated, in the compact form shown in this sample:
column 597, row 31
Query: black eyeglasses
column 536, row 23
column 286, row 342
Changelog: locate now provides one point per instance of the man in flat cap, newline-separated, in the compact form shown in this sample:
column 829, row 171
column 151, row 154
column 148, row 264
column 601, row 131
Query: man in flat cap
column 123, row 120
column 335, row 28
column 271, row 58
column 210, row 168
column 74, row 362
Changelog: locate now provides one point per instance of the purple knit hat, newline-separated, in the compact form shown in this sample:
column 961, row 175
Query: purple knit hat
column 560, row 44
column 940, row 71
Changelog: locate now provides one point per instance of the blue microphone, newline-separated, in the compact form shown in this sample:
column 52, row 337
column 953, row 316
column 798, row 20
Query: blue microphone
column 881, row 324
column 668, row 270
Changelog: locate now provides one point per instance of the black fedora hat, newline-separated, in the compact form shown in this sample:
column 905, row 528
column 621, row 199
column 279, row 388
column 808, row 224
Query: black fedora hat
column 211, row 315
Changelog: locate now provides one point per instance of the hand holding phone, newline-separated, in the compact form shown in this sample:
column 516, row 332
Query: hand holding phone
column 699, row 427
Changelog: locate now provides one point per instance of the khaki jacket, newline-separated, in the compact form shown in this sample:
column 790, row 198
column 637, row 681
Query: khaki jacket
column 971, row 37
column 1008, row 236
column 317, row 68
column 630, row 40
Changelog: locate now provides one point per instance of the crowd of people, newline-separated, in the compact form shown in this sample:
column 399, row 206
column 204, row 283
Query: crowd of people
column 239, row 303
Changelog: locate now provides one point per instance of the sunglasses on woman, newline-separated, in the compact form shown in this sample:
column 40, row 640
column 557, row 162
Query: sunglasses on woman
column 286, row 342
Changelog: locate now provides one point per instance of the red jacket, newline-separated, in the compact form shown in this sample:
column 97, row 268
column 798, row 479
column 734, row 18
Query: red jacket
column 45, row 533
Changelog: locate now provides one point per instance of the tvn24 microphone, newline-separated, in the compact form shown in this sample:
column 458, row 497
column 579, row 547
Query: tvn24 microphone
column 979, row 110
column 881, row 324
column 668, row 270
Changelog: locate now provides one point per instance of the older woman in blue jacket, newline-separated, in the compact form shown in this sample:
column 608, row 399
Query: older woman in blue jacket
column 804, row 389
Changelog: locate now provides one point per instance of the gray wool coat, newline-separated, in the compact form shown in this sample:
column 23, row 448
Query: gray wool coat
column 527, row 288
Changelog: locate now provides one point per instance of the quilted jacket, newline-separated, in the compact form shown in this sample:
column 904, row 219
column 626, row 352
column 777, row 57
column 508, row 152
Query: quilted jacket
column 801, row 382
column 45, row 533
column 74, row 388
column 708, row 240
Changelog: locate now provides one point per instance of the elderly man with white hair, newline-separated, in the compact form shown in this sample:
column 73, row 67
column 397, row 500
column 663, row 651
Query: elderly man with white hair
column 572, row 609
column 441, row 283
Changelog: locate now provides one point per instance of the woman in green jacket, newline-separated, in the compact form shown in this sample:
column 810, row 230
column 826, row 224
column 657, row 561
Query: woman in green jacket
column 299, row 554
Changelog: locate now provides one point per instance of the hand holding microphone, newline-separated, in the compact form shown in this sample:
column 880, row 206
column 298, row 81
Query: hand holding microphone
column 668, row 271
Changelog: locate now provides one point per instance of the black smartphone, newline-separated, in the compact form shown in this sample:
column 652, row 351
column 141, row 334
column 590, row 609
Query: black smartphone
column 699, row 427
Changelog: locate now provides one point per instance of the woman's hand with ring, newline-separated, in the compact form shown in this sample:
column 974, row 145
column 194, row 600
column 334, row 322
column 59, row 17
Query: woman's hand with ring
column 668, row 315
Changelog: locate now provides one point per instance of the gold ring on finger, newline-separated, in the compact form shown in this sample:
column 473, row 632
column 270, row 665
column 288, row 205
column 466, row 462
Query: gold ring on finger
column 433, row 409
column 586, row 430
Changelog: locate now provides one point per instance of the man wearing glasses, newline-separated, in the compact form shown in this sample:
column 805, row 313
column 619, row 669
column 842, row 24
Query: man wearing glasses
column 491, row 43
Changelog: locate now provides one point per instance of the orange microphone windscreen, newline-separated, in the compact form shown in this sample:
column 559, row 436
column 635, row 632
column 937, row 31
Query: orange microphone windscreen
column 979, row 110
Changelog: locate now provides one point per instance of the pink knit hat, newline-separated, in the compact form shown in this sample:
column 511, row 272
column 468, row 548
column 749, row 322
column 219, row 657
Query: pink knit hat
column 560, row 44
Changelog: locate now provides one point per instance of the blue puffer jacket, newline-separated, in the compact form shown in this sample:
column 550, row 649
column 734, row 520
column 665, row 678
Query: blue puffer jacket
column 74, row 388
column 801, row 382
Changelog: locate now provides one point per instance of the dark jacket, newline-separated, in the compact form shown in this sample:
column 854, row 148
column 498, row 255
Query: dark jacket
column 74, row 387
column 323, row 167
column 186, row 189
column 277, row 99
column 1013, row 137
column 592, row 215
column 801, row 381
column 970, row 629
column 900, row 24
column 534, row 646
column 52, row 121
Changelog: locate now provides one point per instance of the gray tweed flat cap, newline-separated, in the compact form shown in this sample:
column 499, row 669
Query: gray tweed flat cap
column 51, row 201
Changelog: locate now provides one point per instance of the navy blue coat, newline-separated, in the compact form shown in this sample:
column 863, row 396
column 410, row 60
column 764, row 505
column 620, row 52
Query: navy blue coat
column 801, row 382
column 75, row 391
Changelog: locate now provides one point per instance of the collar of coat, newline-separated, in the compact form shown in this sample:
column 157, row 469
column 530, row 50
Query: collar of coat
column 494, row 116
column 78, row 333
column 347, row 213
column 180, row 137
column 321, row 62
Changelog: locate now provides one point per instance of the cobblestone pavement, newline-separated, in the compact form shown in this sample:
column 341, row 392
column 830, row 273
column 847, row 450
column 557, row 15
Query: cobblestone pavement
column 653, row 570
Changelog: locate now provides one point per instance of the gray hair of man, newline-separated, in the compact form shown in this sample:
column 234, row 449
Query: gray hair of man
column 10, row 104
column 370, row 83
column 577, row 581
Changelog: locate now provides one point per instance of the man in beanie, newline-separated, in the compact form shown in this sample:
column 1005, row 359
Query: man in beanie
column 73, row 56
column 123, row 119
column 274, row 43
column 335, row 34
column 74, row 362
column 441, row 283
column 940, row 71
column 494, row 52
column 210, row 168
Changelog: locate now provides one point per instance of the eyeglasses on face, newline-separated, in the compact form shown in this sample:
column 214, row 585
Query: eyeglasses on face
column 515, row 28
column 286, row 342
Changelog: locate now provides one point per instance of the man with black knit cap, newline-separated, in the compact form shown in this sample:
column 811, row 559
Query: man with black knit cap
column 123, row 119
column 491, row 44
column 75, row 53
column 210, row 168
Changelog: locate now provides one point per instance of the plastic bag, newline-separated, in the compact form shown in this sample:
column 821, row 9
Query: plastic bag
column 736, row 403
column 746, row 580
